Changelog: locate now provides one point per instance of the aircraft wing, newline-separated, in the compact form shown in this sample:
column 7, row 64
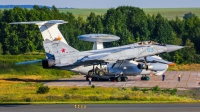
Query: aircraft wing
column 98, row 55
column 93, row 57
column 111, row 50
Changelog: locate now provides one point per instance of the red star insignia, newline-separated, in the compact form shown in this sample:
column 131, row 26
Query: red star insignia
column 63, row 50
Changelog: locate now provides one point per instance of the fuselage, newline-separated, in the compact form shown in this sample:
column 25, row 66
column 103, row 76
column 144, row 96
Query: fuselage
column 131, row 51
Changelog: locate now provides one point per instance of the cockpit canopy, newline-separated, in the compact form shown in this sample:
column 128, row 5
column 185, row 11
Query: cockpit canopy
column 150, row 43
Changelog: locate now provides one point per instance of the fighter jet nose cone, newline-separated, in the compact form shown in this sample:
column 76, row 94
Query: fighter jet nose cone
column 171, row 48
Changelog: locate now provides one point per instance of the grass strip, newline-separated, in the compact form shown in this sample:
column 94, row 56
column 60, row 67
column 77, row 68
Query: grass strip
column 98, row 102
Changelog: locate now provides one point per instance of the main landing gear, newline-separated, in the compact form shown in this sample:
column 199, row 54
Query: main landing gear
column 145, row 78
column 119, row 79
column 96, row 73
column 100, row 74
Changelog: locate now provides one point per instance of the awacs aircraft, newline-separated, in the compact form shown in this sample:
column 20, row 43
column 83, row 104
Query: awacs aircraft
column 115, row 63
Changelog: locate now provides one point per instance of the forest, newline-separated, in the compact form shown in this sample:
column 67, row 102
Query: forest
column 131, row 24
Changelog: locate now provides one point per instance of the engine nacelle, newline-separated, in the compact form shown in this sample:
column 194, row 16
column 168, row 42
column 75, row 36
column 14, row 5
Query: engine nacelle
column 48, row 63
column 153, row 66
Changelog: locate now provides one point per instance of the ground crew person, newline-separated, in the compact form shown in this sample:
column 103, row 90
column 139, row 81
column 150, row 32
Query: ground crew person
column 179, row 77
column 90, row 80
column 163, row 77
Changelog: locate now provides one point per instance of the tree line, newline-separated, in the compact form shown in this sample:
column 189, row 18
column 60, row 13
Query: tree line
column 21, row 6
column 131, row 24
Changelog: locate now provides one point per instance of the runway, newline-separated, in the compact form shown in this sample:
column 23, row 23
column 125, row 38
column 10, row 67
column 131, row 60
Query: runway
column 103, row 108
column 189, row 79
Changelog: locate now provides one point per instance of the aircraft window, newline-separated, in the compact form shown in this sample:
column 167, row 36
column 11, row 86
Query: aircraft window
column 163, row 44
column 150, row 43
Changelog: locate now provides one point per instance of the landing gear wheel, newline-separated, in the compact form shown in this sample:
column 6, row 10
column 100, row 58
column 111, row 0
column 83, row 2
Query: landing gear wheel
column 147, row 78
column 101, row 73
column 90, row 73
column 97, row 71
column 118, row 79
column 125, row 79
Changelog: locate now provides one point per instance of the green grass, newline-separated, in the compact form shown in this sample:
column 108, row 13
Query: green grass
column 185, row 67
column 29, row 72
column 81, row 104
column 84, row 12
column 169, row 13
column 15, row 92
column 22, row 57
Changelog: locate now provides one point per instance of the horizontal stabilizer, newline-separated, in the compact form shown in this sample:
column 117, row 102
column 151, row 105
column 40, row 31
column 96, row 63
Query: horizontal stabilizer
column 41, row 22
column 28, row 62
column 49, row 29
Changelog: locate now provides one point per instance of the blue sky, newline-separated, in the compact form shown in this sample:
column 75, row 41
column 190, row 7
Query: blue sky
column 107, row 3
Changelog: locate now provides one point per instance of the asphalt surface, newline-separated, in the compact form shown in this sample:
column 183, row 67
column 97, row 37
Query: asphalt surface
column 103, row 108
column 189, row 79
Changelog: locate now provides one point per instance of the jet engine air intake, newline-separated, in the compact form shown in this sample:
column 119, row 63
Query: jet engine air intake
column 48, row 63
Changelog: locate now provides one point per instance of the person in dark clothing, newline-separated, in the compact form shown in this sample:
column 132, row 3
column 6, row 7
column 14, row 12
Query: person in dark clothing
column 90, row 80
column 179, row 77
column 163, row 77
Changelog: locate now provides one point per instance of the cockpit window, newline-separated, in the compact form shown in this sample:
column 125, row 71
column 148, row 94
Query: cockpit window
column 150, row 43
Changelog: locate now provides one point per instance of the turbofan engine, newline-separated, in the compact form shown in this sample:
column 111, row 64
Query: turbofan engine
column 153, row 66
column 48, row 63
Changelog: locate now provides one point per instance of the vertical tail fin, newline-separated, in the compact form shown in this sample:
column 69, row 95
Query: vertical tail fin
column 54, row 43
column 49, row 29
column 58, row 48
